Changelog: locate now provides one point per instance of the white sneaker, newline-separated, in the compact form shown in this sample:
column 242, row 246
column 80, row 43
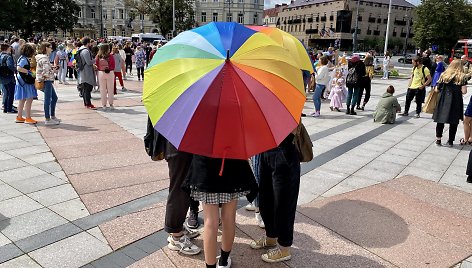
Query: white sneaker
column 56, row 119
column 259, row 220
column 220, row 266
column 123, row 89
column 250, row 207
column 112, row 107
column 50, row 122
column 183, row 245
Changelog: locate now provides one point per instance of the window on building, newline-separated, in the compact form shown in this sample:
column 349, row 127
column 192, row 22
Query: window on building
column 216, row 1
column 204, row 16
column 105, row 14
column 80, row 13
column 105, row 33
column 64, row 33
column 241, row 18
column 229, row 17
column 255, row 20
column 123, row 33
column 215, row 16
column 240, row 1
column 122, row 14
column 114, row 32
column 92, row 12
column 141, row 16
column 256, row 1
column 113, row 14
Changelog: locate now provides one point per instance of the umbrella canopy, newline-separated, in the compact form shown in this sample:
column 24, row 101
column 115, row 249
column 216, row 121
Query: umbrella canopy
column 291, row 43
column 224, row 91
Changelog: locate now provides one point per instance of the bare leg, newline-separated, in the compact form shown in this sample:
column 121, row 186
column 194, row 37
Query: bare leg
column 28, row 107
column 21, row 105
column 210, row 233
column 228, row 216
column 467, row 128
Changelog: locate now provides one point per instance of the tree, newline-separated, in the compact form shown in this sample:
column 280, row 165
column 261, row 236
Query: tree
column 442, row 22
column 160, row 11
column 29, row 16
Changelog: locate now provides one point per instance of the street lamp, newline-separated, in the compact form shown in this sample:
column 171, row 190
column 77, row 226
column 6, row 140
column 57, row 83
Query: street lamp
column 408, row 21
column 388, row 27
column 354, row 39
column 173, row 18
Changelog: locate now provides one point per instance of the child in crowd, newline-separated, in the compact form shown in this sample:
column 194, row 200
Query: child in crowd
column 338, row 92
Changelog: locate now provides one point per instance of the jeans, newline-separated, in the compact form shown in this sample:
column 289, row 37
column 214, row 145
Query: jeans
column 8, row 95
column 130, row 65
column 418, row 95
column 385, row 70
column 140, row 72
column 178, row 201
column 352, row 95
column 50, row 100
column 452, row 131
column 366, row 84
column 86, row 93
column 256, row 162
column 278, row 191
column 317, row 96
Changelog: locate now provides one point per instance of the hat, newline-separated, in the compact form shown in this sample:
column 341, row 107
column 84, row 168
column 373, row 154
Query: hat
column 355, row 58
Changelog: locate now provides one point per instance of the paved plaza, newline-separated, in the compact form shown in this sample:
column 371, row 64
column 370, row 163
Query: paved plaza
column 85, row 194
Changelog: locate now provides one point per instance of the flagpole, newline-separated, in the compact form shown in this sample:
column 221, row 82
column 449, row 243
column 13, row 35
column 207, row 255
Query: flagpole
column 388, row 27
column 354, row 39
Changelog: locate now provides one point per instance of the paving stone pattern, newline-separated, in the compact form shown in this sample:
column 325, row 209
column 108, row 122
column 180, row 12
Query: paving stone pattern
column 85, row 194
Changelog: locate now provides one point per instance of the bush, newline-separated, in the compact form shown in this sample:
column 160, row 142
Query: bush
column 394, row 73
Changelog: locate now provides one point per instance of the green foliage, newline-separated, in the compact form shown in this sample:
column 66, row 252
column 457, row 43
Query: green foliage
column 394, row 73
column 160, row 12
column 28, row 16
column 442, row 22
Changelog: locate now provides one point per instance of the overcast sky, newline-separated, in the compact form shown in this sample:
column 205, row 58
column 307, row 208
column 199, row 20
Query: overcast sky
column 271, row 3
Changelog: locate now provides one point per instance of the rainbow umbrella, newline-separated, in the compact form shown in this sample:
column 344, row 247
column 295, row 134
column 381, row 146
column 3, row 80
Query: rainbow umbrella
column 291, row 43
column 224, row 91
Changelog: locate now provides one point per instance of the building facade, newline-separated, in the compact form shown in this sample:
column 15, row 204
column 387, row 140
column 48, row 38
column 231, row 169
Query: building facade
column 247, row 12
column 324, row 23
column 271, row 15
column 104, row 18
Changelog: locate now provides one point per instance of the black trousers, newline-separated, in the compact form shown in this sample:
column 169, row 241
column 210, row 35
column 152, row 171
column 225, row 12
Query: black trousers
column 71, row 71
column 86, row 93
column 452, row 131
column 418, row 95
column 178, row 201
column 469, row 165
column 140, row 72
column 366, row 85
column 130, row 65
column 278, row 192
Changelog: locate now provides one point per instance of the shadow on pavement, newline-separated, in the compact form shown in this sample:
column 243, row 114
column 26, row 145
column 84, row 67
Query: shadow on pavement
column 126, row 111
column 71, row 127
column 364, row 223
column 4, row 222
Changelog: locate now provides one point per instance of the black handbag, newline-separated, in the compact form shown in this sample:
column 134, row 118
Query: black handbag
column 154, row 143
column 27, row 78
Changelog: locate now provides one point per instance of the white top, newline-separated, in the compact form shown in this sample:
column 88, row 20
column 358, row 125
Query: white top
column 322, row 75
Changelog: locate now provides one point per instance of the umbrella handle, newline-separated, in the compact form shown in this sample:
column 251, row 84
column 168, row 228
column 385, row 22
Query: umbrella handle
column 223, row 161
column 227, row 55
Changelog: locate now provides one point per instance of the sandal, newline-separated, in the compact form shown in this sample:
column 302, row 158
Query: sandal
column 463, row 142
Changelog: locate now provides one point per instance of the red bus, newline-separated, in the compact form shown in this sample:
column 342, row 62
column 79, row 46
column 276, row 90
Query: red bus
column 462, row 47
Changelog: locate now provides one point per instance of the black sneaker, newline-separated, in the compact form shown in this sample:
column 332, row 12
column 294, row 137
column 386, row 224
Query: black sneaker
column 449, row 143
column 438, row 142
column 469, row 179
column 192, row 221
column 348, row 111
column 404, row 114
column 353, row 112
column 418, row 116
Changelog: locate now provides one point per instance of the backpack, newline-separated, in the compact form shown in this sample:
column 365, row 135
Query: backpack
column 79, row 61
column 303, row 143
column 424, row 75
column 352, row 77
column 5, row 72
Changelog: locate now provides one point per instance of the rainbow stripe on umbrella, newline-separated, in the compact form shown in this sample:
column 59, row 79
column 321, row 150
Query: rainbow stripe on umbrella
column 224, row 90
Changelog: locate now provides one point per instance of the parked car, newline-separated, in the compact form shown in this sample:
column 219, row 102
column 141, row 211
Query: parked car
column 408, row 59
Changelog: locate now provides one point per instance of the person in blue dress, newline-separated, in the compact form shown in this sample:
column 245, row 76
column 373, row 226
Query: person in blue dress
column 24, row 89
column 440, row 68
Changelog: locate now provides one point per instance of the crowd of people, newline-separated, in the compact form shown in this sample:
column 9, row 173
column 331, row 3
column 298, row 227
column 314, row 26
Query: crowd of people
column 27, row 67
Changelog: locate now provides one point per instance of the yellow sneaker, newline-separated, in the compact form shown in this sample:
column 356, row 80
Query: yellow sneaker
column 276, row 255
column 263, row 242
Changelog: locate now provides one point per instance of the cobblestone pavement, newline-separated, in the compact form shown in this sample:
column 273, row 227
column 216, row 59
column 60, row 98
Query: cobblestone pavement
column 85, row 194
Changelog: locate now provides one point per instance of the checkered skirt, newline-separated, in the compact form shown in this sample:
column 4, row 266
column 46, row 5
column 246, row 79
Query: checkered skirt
column 216, row 198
